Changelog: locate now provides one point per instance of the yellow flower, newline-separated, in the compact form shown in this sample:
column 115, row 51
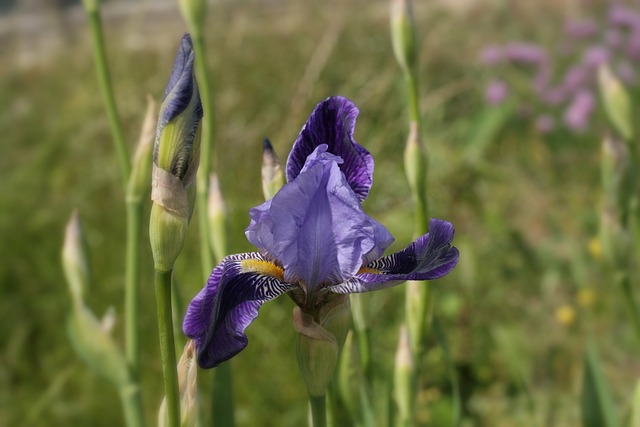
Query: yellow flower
column 565, row 315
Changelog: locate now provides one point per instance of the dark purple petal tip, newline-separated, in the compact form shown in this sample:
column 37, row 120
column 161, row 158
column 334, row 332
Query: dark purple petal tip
column 332, row 122
column 182, row 86
column 429, row 257
column 218, row 316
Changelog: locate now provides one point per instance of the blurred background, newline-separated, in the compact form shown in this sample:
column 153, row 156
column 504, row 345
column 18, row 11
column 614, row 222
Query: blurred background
column 514, row 128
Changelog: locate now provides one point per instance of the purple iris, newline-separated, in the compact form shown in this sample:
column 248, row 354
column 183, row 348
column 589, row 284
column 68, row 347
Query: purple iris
column 315, row 241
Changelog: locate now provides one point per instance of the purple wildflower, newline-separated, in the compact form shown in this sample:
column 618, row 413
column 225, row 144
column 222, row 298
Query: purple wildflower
column 496, row 92
column 492, row 55
column 622, row 16
column 315, row 241
column 581, row 29
column 578, row 114
column 525, row 53
column 626, row 72
column 595, row 56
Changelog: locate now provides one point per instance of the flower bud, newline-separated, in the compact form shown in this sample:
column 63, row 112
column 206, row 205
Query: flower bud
column 139, row 183
column 415, row 163
column 194, row 13
column 96, row 346
column 187, row 389
column 319, row 342
column 616, row 101
column 403, row 35
column 175, row 160
column 216, row 212
column 75, row 260
column 272, row 174
column 404, row 381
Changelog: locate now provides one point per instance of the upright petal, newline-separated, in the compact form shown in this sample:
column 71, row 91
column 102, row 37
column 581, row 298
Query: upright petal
column 332, row 123
column 429, row 257
column 316, row 227
column 219, row 314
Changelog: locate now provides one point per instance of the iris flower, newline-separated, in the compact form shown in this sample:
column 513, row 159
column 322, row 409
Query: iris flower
column 314, row 240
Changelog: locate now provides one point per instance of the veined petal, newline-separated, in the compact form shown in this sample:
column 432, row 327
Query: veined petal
column 316, row 227
column 429, row 257
column 219, row 314
column 332, row 123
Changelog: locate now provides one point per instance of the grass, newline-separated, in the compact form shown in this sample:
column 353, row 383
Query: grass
column 525, row 210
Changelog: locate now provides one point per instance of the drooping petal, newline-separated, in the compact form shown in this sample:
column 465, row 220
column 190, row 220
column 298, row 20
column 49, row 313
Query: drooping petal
column 332, row 123
column 219, row 314
column 429, row 257
column 316, row 227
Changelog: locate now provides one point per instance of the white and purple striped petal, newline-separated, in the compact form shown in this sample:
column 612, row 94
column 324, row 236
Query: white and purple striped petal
column 315, row 226
column 332, row 122
column 218, row 316
column 429, row 257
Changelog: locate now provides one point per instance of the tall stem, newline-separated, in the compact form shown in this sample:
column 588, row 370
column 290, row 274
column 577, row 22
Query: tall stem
column 167, row 346
column 204, row 170
column 318, row 406
column 106, row 90
column 131, row 288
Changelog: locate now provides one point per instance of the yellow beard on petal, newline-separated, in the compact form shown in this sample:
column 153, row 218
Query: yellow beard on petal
column 368, row 270
column 262, row 267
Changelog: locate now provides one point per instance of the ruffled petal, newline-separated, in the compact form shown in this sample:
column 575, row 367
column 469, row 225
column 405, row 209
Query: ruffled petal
column 332, row 122
column 219, row 314
column 316, row 227
column 429, row 257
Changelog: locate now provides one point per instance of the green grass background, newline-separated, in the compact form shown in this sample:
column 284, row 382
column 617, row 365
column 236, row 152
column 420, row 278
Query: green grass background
column 524, row 207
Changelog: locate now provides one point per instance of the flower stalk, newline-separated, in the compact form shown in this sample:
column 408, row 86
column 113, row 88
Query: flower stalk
column 175, row 163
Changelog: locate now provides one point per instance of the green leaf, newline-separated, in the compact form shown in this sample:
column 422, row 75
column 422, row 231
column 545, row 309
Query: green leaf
column 597, row 404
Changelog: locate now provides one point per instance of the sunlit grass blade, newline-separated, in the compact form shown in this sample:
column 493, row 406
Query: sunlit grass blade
column 598, row 409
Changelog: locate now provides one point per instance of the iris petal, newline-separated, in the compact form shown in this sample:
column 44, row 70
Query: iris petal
column 429, row 257
column 316, row 227
column 332, row 122
column 218, row 316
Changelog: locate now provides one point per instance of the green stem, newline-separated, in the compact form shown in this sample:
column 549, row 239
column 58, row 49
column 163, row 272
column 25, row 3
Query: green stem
column 106, row 90
column 413, row 99
column 132, row 404
column 131, row 288
column 630, row 302
column 222, row 396
column 167, row 346
column 318, row 411
column 205, row 152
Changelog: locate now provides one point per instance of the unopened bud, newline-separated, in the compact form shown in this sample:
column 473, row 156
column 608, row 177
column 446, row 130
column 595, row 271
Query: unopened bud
column 175, row 160
column 616, row 101
column 216, row 212
column 187, row 388
column 75, row 260
column 139, row 182
column 403, row 35
column 404, row 379
column 415, row 163
column 96, row 346
column 272, row 174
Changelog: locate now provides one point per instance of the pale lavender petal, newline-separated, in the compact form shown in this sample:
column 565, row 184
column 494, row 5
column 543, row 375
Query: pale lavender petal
column 219, row 314
column 624, row 16
column 316, row 227
column 613, row 38
column 332, row 122
column 429, row 257
column 575, row 77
